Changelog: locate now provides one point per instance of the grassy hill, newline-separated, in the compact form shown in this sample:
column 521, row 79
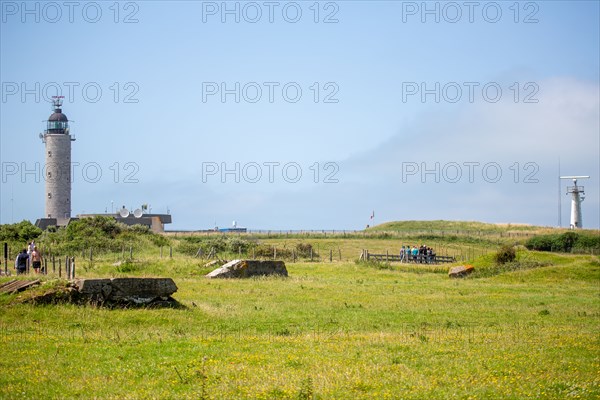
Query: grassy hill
column 471, row 227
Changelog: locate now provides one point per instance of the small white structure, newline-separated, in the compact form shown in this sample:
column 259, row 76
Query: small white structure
column 577, row 193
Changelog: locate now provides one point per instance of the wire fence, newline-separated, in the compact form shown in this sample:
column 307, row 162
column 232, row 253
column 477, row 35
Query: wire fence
column 273, row 233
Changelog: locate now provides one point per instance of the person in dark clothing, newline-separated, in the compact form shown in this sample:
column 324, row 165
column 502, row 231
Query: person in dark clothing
column 21, row 262
column 422, row 251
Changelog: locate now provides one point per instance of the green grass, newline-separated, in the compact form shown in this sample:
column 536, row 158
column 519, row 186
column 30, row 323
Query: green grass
column 330, row 331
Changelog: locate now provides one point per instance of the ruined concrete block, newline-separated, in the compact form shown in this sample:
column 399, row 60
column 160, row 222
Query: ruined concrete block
column 249, row 268
column 460, row 271
column 136, row 290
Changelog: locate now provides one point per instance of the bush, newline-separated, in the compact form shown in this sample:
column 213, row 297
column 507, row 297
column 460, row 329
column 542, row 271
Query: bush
column 565, row 242
column 588, row 242
column 159, row 240
column 505, row 255
column 268, row 251
column 142, row 229
column 236, row 244
column 218, row 244
column 103, row 234
column 24, row 231
column 191, row 245
column 188, row 248
column 540, row 243
column 305, row 249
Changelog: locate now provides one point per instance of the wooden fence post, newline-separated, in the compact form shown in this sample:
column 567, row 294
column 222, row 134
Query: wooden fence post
column 6, row 258
column 330, row 255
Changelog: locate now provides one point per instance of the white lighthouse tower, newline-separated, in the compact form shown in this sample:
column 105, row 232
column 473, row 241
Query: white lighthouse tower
column 58, row 165
column 577, row 193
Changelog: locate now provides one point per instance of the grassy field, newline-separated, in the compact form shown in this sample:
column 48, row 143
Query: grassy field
column 331, row 330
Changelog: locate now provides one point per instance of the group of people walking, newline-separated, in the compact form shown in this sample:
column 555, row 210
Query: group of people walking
column 30, row 255
column 421, row 254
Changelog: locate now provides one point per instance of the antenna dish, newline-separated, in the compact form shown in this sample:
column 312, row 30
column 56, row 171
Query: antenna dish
column 124, row 212
column 138, row 213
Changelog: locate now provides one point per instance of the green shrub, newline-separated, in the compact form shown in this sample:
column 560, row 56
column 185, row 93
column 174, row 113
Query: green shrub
column 102, row 234
column 128, row 267
column 139, row 229
column 565, row 242
column 236, row 244
column 96, row 227
column 188, row 248
column 540, row 243
column 268, row 251
column 159, row 240
column 23, row 231
column 191, row 244
column 505, row 255
column 588, row 242
column 305, row 249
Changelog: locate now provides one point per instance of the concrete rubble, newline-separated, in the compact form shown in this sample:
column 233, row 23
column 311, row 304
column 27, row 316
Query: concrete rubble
column 127, row 290
column 249, row 268
column 460, row 271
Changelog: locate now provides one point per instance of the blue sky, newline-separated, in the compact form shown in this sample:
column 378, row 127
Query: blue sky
column 162, row 123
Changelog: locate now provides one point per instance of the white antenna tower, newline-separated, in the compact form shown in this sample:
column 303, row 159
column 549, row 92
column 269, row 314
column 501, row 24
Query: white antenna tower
column 576, row 199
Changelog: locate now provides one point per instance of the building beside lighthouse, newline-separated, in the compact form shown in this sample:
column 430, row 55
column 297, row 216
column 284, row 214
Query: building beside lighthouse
column 57, row 170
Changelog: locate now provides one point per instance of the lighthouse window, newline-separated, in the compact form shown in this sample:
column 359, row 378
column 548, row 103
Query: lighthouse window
column 49, row 195
column 49, row 174
column 49, row 154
